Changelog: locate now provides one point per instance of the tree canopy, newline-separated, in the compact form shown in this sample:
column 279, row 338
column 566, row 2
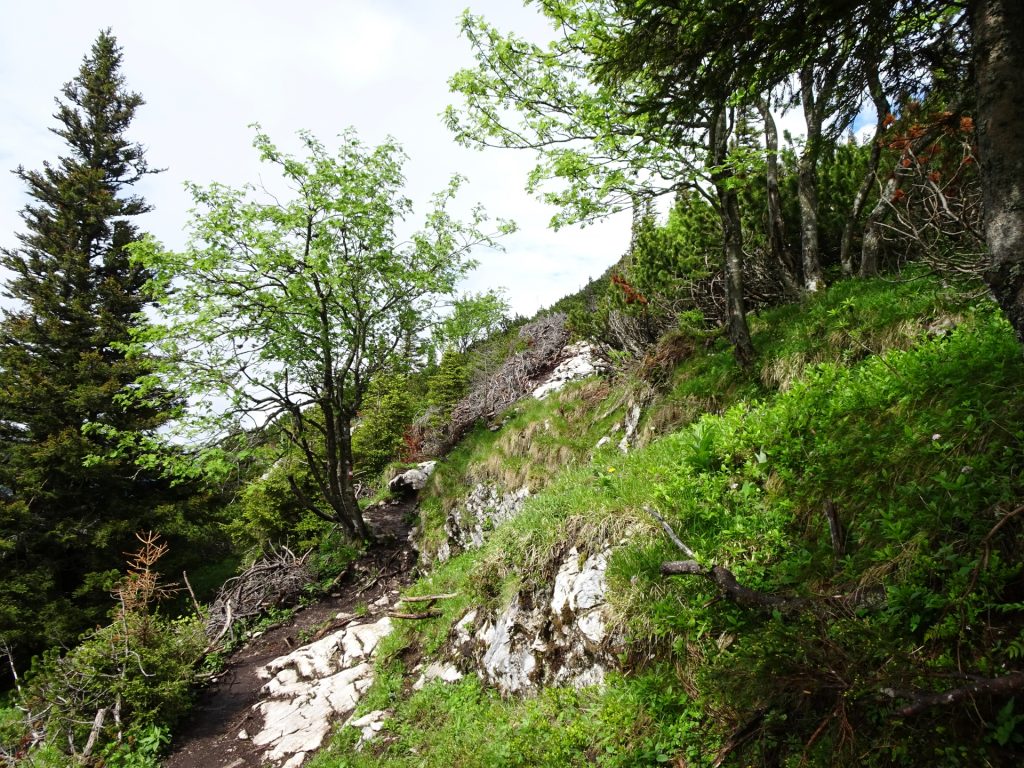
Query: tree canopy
column 77, row 299
column 289, row 301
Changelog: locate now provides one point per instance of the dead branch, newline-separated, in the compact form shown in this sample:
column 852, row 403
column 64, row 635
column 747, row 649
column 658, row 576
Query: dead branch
column 428, row 598
column 334, row 626
column 276, row 579
column 668, row 530
column 740, row 736
column 1007, row 685
column 97, row 726
column 724, row 579
column 423, row 615
column 835, row 530
column 191, row 592
column 14, row 672
column 544, row 340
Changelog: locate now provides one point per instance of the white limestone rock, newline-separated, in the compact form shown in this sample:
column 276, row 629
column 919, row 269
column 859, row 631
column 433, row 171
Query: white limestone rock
column 447, row 673
column 412, row 480
column 484, row 509
column 631, row 425
column 369, row 725
column 581, row 360
column 309, row 688
column 560, row 641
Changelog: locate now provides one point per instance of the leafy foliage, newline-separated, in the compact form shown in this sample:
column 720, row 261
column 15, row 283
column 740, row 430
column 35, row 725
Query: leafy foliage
column 289, row 309
column 914, row 441
column 132, row 677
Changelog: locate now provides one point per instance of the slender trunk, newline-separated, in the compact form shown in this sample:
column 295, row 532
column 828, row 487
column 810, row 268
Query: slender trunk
column 882, row 109
column 781, row 255
column 871, row 246
column 998, row 30
column 732, row 242
column 348, row 492
column 807, row 184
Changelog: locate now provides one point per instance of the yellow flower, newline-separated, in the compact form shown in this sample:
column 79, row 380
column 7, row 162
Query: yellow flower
column 611, row 469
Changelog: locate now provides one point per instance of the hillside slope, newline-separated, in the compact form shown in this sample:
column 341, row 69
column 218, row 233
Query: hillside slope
column 846, row 587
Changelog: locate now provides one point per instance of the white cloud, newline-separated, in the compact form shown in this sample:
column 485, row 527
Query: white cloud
column 208, row 69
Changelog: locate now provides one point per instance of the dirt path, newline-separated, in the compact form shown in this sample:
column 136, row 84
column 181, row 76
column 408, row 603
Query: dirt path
column 209, row 739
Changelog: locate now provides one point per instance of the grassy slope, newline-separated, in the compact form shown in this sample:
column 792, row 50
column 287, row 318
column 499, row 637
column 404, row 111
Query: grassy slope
column 915, row 438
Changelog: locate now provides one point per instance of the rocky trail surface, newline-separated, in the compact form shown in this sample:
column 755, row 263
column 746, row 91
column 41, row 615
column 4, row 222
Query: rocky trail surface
column 278, row 697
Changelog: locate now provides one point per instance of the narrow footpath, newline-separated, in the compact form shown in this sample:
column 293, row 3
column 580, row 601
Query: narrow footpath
column 210, row 736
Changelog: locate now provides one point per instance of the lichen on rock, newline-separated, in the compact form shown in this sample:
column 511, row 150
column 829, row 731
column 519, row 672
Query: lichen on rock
column 558, row 638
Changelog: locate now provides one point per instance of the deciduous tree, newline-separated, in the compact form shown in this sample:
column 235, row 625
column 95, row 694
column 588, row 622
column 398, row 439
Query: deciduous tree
column 285, row 306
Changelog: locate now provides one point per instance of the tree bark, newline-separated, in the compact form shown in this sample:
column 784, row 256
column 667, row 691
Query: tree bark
column 348, row 493
column 882, row 109
column 998, row 42
column 781, row 254
column 1008, row 685
column 732, row 241
column 871, row 245
column 807, row 183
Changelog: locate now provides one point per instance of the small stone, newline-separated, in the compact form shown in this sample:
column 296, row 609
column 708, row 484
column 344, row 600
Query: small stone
column 243, row 735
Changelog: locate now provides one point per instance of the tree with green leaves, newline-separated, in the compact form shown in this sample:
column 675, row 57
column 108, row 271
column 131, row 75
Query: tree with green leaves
column 76, row 297
column 594, row 137
column 915, row 45
column 287, row 303
column 473, row 317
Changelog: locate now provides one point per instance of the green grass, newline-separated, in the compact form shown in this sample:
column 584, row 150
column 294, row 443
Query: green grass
column 467, row 725
column 899, row 403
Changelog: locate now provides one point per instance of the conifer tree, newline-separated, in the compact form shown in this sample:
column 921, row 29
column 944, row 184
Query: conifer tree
column 75, row 297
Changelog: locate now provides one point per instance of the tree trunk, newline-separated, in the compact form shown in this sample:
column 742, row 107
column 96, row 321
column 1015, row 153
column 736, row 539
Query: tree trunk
column 882, row 109
column 349, row 501
column 871, row 247
column 807, row 184
column 781, row 254
column 998, row 31
column 732, row 241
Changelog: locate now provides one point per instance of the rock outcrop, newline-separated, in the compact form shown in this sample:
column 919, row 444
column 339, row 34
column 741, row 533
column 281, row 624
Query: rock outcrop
column 559, row 639
column 485, row 508
column 412, row 480
column 310, row 688
column 580, row 361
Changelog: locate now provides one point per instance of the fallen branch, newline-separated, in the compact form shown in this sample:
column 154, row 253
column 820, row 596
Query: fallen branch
column 424, row 615
column 544, row 340
column 428, row 598
column 334, row 626
column 724, row 579
column 668, row 529
column 1007, row 685
column 276, row 579
column 223, row 631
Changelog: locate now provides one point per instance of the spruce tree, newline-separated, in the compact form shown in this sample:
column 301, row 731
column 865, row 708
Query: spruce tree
column 76, row 295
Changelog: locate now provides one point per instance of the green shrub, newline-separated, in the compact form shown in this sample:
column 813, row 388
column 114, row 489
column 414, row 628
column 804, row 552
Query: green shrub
column 447, row 386
column 386, row 413
column 138, row 669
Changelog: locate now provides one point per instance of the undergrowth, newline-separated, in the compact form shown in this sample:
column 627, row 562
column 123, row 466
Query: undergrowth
column 894, row 407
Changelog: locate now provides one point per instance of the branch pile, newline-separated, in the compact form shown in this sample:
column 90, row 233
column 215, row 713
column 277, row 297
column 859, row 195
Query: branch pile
column 543, row 341
column 276, row 579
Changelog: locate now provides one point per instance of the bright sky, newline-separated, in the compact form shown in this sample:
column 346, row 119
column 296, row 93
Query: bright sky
column 209, row 69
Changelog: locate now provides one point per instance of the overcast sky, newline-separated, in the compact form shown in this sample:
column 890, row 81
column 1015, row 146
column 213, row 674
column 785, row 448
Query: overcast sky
column 209, row 69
